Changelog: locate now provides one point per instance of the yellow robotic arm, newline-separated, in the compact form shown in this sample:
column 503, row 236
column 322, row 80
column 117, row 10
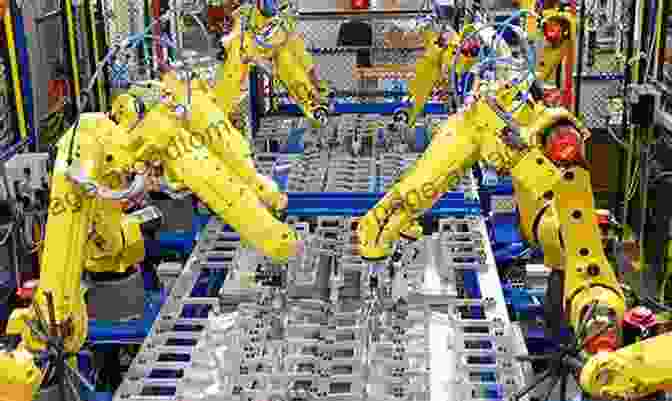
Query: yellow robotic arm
column 558, row 26
column 58, row 302
column 542, row 149
column 86, row 202
column 230, row 188
column 436, row 65
column 210, row 126
column 272, row 43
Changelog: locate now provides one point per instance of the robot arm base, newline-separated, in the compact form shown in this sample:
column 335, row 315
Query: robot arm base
column 633, row 372
column 20, row 378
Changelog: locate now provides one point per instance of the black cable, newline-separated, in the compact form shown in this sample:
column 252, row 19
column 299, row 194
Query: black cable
column 656, row 305
column 78, row 115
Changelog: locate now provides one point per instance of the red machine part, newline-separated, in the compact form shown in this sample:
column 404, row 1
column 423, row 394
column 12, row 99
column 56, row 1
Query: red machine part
column 553, row 31
column 640, row 317
column 565, row 146
column 603, row 217
column 607, row 342
column 360, row 4
column 27, row 290
column 471, row 48
column 553, row 97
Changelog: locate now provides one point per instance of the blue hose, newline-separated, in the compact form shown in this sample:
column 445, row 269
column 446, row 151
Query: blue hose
column 531, row 59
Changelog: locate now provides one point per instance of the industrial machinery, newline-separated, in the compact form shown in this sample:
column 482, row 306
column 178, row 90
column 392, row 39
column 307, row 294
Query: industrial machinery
column 543, row 150
column 348, row 296
column 558, row 25
column 441, row 44
column 89, row 182
column 263, row 35
column 556, row 63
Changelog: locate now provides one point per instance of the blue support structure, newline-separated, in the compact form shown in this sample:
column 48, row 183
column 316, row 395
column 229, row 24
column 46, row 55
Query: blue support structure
column 183, row 241
column 254, row 102
column 135, row 331
column 295, row 144
column 422, row 138
column 364, row 108
column 17, row 69
column 131, row 332
column 357, row 204
column 26, row 83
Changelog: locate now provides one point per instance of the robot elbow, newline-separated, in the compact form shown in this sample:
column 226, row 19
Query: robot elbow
column 565, row 146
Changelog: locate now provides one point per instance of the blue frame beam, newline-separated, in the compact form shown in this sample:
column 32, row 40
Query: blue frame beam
column 17, row 69
column 307, row 204
column 364, row 108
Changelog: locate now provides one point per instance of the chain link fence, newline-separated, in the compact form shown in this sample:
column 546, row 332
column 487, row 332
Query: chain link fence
column 606, row 25
column 124, row 18
column 358, row 72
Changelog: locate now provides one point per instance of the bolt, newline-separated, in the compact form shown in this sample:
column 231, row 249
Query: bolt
column 593, row 270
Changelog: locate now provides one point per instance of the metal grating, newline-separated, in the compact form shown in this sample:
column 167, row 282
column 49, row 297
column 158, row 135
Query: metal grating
column 606, row 30
column 338, row 65
column 122, row 17
column 452, row 341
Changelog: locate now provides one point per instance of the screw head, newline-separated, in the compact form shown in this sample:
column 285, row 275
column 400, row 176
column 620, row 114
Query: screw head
column 593, row 270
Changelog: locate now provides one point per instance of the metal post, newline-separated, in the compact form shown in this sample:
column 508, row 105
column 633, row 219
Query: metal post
column 96, row 33
column 147, row 50
column 647, row 282
column 579, row 58
column 175, row 30
column 157, row 31
column 15, row 54
column 627, row 81
column 72, row 63
column 647, row 287
column 256, row 101
column 651, row 272
column 663, row 39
